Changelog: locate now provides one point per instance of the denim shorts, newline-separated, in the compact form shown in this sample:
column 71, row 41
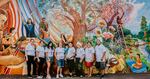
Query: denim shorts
column 60, row 63
column 51, row 59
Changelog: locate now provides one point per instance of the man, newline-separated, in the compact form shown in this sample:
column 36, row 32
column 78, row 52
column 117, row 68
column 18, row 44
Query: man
column 30, row 55
column 100, row 52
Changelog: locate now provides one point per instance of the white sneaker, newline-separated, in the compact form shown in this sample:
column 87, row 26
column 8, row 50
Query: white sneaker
column 48, row 77
column 61, row 76
column 57, row 76
column 39, row 77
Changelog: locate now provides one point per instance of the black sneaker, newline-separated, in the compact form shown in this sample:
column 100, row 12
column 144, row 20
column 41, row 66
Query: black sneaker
column 101, row 76
column 29, row 76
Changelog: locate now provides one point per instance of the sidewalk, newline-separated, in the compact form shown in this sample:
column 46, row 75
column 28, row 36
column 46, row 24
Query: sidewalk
column 110, row 76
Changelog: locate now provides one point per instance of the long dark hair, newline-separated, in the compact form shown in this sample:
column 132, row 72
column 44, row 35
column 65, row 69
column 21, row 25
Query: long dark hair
column 31, row 21
column 52, row 47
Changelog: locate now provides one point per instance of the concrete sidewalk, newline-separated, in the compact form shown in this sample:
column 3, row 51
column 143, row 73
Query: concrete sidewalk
column 109, row 76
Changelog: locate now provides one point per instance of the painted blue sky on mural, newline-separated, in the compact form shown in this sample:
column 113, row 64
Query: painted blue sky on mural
column 142, row 9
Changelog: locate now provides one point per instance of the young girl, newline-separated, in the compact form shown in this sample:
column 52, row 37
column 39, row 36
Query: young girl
column 79, row 60
column 49, row 50
column 70, row 58
column 40, row 56
column 89, row 58
column 60, row 60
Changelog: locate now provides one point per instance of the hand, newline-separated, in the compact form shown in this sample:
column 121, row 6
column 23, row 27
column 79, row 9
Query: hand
column 38, row 60
column 80, row 61
column 26, row 59
column 35, row 58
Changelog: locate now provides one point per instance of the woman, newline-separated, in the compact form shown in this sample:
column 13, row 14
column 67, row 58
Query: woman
column 89, row 58
column 40, row 57
column 80, row 53
column 70, row 56
column 49, row 50
column 30, row 28
column 60, row 51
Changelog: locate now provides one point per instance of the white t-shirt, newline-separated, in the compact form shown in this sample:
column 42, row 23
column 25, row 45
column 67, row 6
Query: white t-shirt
column 71, row 53
column 89, row 54
column 80, row 53
column 99, row 50
column 60, row 53
column 30, row 50
column 50, row 52
column 41, row 51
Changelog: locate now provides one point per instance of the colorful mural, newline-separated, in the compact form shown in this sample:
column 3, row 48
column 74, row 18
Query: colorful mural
column 122, row 25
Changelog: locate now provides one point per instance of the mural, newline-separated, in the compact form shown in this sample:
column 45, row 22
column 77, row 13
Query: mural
column 122, row 26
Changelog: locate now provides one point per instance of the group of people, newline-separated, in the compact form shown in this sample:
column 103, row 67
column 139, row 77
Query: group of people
column 74, row 57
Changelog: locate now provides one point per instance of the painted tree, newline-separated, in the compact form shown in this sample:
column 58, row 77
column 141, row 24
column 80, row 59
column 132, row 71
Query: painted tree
column 144, row 26
column 82, row 15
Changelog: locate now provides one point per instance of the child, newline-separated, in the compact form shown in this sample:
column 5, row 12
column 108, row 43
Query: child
column 49, row 50
column 40, row 56
column 100, row 57
column 79, row 59
column 60, row 60
column 70, row 58
column 89, row 58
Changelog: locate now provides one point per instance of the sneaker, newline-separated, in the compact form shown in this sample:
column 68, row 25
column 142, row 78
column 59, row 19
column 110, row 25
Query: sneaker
column 57, row 76
column 70, row 74
column 39, row 77
column 89, row 75
column 81, row 76
column 30, row 76
column 61, row 76
column 102, row 76
column 48, row 77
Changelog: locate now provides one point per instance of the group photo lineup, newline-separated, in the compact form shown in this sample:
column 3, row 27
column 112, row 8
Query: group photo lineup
column 74, row 39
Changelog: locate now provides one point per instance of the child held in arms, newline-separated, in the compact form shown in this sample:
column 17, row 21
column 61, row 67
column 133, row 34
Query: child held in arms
column 138, row 63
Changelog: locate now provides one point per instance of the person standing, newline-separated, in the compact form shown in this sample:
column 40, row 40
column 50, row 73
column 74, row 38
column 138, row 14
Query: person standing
column 70, row 56
column 100, row 51
column 40, row 57
column 30, row 28
column 60, row 51
column 89, row 58
column 43, row 26
column 49, row 50
column 80, row 53
column 30, row 54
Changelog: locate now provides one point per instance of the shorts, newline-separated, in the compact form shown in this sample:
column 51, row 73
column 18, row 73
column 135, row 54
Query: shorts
column 100, row 65
column 60, row 63
column 51, row 59
column 88, row 64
